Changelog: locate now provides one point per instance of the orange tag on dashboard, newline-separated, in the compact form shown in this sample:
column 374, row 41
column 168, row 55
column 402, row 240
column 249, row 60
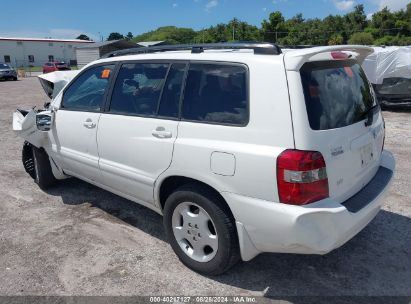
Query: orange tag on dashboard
column 105, row 73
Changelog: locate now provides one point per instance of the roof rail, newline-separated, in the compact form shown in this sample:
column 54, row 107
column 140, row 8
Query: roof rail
column 259, row 48
column 296, row 46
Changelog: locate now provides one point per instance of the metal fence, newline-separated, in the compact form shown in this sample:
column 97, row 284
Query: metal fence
column 25, row 68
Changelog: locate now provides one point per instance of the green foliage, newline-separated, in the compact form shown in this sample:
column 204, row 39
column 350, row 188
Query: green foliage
column 129, row 36
column 115, row 36
column 336, row 40
column 235, row 30
column 356, row 20
column 83, row 37
column 361, row 38
column 384, row 28
column 393, row 40
column 274, row 26
column 170, row 34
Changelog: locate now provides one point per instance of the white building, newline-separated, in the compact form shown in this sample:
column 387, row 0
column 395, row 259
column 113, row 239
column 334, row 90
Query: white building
column 24, row 52
column 90, row 52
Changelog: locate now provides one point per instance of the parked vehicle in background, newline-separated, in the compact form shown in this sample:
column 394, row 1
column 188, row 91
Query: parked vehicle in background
column 389, row 70
column 7, row 72
column 242, row 148
column 54, row 66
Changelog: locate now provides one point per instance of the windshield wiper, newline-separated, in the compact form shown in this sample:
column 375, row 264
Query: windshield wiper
column 369, row 114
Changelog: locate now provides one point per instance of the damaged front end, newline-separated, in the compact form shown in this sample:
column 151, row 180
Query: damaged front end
column 29, row 125
column 34, row 125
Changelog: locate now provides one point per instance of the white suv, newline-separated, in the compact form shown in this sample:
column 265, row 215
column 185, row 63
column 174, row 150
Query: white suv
column 243, row 148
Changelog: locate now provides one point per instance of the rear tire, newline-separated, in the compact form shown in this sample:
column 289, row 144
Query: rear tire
column 210, row 249
column 43, row 174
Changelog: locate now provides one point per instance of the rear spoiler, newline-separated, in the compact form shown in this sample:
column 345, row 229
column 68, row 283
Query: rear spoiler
column 294, row 59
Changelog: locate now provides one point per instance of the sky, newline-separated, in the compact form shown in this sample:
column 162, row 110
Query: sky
column 97, row 18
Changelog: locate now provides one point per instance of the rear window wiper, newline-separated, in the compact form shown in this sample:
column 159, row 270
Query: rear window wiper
column 369, row 114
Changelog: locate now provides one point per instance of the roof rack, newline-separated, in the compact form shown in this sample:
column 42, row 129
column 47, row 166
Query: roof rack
column 259, row 48
column 296, row 46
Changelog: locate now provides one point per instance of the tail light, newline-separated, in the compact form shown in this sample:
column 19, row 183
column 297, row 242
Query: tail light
column 301, row 177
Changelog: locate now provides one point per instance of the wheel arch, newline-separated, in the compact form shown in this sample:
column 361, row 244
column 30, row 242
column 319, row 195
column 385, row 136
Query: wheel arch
column 28, row 161
column 170, row 183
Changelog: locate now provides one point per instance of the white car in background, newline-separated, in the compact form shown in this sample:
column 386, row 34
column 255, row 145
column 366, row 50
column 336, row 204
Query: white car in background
column 242, row 148
column 389, row 71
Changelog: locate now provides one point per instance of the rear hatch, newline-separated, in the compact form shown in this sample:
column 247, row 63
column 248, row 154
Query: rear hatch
column 335, row 112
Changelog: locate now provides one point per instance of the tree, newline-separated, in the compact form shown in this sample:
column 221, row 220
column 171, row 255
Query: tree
column 129, row 36
column 83, row 37
column 356, row 20
column 171, row 34
column 246, row 32
column 295, row 31
column 361, row 38
column 383, row 21
column 393, row 40
column 115, row 36
column 336, row 40
column 272, row 27
column 386, row 27
column 334, row 26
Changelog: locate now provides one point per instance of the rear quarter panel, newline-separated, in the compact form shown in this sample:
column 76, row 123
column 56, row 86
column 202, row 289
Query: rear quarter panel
column 255, row 147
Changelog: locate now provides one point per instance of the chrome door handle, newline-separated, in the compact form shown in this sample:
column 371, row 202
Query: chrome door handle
column 160, row 132
column 89, row 124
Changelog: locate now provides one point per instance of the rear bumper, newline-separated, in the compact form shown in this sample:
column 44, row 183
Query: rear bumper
column 316, row 228
column 396, row 103
column 8, row 76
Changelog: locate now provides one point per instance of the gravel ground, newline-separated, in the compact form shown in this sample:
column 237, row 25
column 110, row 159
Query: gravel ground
column 77, row 239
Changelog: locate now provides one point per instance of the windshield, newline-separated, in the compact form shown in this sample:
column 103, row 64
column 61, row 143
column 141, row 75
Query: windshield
column 4, row 66
column 337, row 93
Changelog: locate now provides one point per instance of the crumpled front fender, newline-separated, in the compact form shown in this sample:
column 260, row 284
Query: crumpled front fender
column 24, row 125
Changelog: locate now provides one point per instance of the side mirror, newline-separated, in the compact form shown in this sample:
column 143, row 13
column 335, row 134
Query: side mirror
column 44, row 121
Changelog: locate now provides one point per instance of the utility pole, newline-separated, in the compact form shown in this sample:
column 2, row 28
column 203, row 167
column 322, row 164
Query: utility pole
column 233, row 31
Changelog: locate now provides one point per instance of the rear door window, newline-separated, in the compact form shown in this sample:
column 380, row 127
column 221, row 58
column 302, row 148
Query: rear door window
column 337, row 93
column 138, row 87
column 170, row 99
column 216, row 93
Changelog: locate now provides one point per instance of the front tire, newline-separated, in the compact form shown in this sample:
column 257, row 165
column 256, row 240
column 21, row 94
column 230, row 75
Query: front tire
column 43, row 174
column 201, row 230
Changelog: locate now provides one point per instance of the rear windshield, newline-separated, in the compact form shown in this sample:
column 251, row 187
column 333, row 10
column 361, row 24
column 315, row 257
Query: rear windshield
column 337, row 93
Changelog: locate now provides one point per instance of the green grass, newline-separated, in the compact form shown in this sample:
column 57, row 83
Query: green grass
column 40, row 69
column 32, row 69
